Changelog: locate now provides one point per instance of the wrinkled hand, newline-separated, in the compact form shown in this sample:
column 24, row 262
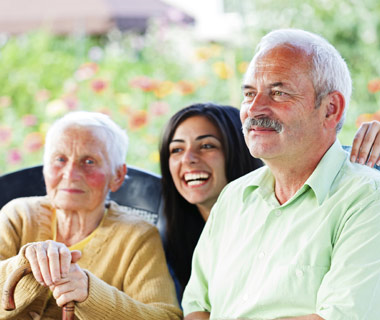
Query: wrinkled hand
column 73, row 288
column 366, row 144
column 50, row 261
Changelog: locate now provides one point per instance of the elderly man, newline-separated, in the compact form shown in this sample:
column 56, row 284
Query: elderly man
column 300, row 237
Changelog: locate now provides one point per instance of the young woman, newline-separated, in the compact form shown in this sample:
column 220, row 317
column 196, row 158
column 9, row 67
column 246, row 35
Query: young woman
column 202, row 149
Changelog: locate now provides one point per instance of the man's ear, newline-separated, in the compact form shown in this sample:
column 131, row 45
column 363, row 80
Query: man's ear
column 333, row 105
column 118, row 178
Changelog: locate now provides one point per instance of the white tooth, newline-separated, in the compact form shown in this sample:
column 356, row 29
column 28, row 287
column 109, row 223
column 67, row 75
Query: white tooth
column 195, row 176
column 195, row 182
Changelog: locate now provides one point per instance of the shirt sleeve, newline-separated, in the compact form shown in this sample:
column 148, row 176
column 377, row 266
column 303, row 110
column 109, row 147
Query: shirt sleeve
column 12, row 257
column 148, row 294
column 351, row 288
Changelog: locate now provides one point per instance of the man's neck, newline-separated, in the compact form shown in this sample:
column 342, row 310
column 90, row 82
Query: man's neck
column 291, row 174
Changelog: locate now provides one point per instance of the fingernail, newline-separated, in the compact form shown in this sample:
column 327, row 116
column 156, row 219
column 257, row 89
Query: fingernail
column 369, row 164
column 361, row 161
column 352, row 159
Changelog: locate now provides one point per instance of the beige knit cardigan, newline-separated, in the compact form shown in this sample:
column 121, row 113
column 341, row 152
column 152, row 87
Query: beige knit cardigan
column 125, row 263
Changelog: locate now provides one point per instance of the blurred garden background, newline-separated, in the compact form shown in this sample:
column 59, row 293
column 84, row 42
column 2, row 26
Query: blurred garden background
column 140, row 78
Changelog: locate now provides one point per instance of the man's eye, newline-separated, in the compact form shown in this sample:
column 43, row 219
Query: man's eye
column 249, row 94
column 60, row 159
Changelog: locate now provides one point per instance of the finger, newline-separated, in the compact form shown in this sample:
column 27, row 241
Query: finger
column 43, row 263
column 31, row 255
column 368, row 141
column 357, row 142
column 54, row 261
column 73, row 288
column 375, row 152
column 65, row 259
column 64, row 293
column 75, row 256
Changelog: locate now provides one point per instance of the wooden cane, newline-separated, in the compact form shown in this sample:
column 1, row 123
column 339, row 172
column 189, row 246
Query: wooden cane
column 10, row 284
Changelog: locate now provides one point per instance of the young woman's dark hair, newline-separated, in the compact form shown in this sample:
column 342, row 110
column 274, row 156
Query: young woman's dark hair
column 184, row 222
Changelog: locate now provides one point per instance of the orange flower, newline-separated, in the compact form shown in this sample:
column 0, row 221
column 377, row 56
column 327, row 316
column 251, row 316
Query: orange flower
column 138, row 119
column 164, row 89
column 99, row 85
column 222, row 70
column 364, row 117
column 185, row 87
column 33, row 142
column 376, row 116
column 374, row 85
column 144, row 83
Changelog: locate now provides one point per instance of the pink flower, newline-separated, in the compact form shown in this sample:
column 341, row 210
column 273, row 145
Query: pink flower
column 42, row 95
column 5, row 135
column 33, row 142
column 86, row 71
column 159, row 108
column 144, row 83
column 99, row 85
column 71, row 101
column 29, row 120
column 14, row 156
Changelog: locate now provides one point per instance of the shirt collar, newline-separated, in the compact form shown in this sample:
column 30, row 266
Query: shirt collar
column 320, row 180
column 327, row 169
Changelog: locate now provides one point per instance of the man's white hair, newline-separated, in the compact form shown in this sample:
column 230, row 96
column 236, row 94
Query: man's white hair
column 329, row 71
column 116, row 139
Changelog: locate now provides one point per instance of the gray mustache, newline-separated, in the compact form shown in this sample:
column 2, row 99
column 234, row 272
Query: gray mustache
column 264, row 122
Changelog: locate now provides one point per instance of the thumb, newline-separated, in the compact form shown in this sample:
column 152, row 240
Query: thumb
column 75, row 256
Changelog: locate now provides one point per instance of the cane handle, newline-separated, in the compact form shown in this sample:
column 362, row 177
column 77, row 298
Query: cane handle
column 8, row 301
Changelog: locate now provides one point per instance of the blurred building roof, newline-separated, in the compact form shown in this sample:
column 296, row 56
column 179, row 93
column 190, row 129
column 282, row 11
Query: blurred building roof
column 89, row 16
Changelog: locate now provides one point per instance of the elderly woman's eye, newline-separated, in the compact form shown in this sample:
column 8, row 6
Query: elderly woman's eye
column 89, row 161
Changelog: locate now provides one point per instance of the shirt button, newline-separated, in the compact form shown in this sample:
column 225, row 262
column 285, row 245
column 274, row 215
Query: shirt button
column 299, row 273
column 261, row 255
column 278, row 213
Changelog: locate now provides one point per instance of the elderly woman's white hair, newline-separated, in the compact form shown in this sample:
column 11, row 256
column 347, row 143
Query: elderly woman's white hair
column 329, row 70
column 116, row 140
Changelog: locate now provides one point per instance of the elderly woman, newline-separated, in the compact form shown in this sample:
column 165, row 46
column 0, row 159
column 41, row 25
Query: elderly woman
column 81, row 248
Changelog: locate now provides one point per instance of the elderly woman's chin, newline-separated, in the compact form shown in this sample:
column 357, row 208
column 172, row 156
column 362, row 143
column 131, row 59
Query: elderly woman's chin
column 75, row 202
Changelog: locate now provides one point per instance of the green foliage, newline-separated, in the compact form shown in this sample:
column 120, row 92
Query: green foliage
column 141, row 80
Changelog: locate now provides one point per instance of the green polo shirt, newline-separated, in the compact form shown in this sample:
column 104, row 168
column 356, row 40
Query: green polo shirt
column 317, row 253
